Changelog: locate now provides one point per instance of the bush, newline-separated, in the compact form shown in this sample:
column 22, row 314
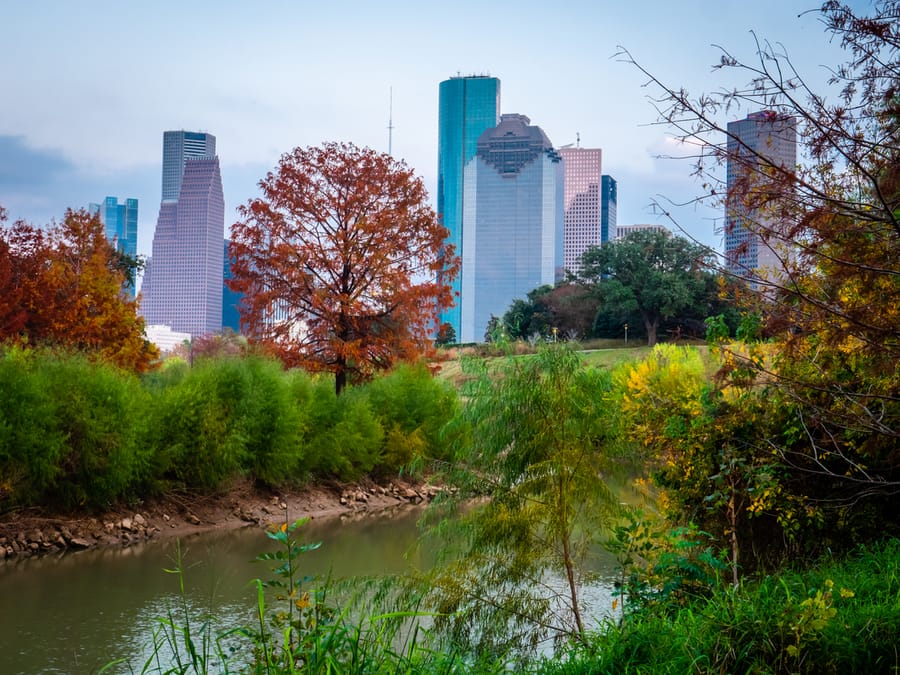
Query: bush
column 69, row 430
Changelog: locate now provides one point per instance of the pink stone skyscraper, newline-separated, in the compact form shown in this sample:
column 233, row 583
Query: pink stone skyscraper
column 582, row 167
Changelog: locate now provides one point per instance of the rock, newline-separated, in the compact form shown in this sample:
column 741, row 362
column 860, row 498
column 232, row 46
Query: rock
column 139, row 520
column 194, row 520
column 343, row 501
column 411, row 494
column 283, row 506
column 61, row 541
column 34, row 546
column 109, row 527
column 126, row 524
column 2, row 552
column 166, row 517
column 66, row 533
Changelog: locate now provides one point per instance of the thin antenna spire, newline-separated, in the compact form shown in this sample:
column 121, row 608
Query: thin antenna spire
column 578, row 139
column 390, row 126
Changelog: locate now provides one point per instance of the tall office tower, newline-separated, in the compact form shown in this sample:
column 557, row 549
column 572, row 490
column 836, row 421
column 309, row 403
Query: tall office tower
column 121, row 223
column 582, row 168
column 754, row 248
column 178, row 146
column 513, row 222
column 182, row 286
column 609, row 194
column 468, row 106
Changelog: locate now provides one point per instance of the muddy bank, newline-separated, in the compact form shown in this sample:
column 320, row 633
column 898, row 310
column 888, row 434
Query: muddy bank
column 31, row 532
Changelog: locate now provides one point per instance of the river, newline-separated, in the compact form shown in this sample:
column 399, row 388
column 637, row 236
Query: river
column 76, row 612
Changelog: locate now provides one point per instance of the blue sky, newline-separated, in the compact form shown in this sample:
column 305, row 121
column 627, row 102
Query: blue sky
column 89, row 87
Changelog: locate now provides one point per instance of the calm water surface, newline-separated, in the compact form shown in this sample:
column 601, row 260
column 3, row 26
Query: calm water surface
column 78, row 612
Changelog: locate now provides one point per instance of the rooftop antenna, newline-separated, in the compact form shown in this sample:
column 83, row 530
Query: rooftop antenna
column 390, row 126
column 578, row 139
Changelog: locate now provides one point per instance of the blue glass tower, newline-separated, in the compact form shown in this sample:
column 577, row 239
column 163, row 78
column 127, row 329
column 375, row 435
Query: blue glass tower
column 231, row 300
column 468, row 106
column 121, row 223
column 608, row 200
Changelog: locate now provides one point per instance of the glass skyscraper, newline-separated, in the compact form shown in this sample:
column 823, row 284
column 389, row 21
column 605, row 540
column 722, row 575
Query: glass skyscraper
column 467, row 107
column 609, row 196
column 753, row 248
column 512, row 222
column 121, row 223
column 182, row 286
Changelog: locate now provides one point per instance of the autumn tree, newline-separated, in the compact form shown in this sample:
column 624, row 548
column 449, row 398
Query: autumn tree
column 650, row 272
column 830, row 372
column 64, row 285
column 338, row 261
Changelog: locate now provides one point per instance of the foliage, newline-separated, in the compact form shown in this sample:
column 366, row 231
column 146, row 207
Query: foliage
column 653, row 273
column 568, row 307
column 338, row 262
column 64, row 286
column 839, row 617
column 535, row 438
column 830, row 375
column 69, row 435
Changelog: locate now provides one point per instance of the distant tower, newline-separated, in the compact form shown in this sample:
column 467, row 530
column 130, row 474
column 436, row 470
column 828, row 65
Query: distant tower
column 178, row 146
column 231, row 300
column 512, row 224
column 121, row 223
column 754, row 248
column 182, row 286
column 609, row 197
column 582, row 168
column 467, row 107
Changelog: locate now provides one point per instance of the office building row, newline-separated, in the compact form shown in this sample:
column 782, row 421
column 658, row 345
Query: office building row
column 518, row 211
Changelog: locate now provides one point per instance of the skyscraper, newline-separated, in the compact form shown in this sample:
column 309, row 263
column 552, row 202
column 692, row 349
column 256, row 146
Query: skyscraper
column 467, row 107
column 182, row 286
column 178, row 146
column 754, row 248
column 121, row 223
column 582, row 168
column 609, row 196
column 512, row 223
column 231, row 300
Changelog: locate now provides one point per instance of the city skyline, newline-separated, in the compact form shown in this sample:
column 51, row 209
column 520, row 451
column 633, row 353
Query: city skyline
column 270, row 81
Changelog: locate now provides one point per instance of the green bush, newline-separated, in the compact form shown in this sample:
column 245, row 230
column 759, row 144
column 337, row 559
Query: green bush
column 68, row 430
column 343, row 437
column 413, row 407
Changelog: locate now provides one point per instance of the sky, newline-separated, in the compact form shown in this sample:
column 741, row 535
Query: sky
column 87, row 88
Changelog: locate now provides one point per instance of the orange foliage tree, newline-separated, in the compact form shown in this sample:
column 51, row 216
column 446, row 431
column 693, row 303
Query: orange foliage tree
column 339, row 262
column 63, row 285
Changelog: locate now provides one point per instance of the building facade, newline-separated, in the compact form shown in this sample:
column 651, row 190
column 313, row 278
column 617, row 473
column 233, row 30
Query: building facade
column 182, row 286
column 583, row 226
column 121, row 223
column 753, row 248
column 623, row 231
column 512, row 222
column 609, row 195
column 231, row 300
column 468, row 106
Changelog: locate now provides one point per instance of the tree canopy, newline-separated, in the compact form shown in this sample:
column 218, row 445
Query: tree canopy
column 650, row 272
column 64, row 285
column 339, row 262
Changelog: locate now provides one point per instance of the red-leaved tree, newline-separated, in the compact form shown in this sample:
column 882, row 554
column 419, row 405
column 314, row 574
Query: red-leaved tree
column 338, row 261
column 64, row 286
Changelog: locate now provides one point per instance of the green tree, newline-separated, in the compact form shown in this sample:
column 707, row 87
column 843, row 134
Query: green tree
column 568, row 307
column 650, row 272
column 538, row 444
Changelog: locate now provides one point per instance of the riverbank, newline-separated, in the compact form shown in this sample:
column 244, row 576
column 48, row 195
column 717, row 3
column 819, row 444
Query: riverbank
column 33, row 531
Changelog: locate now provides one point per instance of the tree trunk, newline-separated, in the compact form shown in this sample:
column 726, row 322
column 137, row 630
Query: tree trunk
column 340, row 377
column 651, row 325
